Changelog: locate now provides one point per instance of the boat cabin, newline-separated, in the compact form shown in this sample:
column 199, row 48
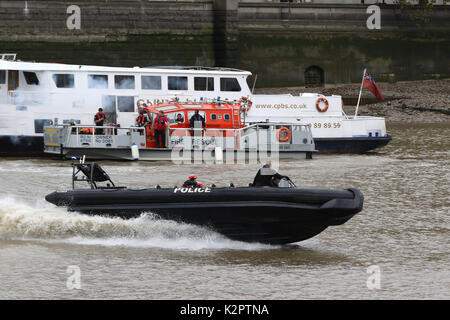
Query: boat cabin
column 218, row 116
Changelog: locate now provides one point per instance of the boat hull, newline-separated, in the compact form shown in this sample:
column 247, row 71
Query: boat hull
column 356, row 145
column 34, row 145
column 265, row 215
column 18, row 146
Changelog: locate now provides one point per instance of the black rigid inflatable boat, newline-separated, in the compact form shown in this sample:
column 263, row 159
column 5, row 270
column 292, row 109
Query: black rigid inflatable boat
column 273, row 215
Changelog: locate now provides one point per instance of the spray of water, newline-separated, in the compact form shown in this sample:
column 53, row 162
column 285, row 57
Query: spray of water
column 44, row 222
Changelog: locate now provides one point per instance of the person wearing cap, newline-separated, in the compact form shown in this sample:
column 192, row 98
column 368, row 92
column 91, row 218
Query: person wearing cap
column 99, row 119
column 192, row 182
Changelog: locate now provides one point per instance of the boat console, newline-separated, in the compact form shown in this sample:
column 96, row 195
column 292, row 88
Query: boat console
column 92, row 173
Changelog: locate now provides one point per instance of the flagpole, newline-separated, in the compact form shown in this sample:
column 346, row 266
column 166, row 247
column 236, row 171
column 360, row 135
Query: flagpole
column 360, row 90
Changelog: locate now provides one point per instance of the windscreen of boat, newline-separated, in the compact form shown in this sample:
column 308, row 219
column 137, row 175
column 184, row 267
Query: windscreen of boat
column 193, row 106
column 165, row 108
column 191, row 113
column 285, row 183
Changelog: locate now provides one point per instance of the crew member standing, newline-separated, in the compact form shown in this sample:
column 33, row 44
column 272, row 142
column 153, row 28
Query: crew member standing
column 195, row 119
column 99, row 119
column 142, row 119
column 160, row 125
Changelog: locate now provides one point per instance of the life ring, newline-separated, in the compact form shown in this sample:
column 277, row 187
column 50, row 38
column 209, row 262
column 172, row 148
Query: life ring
column 318, row 106
column 86, row 130
column 249, row 105
column 245, row 103
column 287, row 133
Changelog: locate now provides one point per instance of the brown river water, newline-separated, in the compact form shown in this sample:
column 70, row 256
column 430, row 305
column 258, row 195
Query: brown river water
column 402, row 233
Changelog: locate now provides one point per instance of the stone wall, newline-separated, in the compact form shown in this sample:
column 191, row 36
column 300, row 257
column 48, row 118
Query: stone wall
column 276, row 41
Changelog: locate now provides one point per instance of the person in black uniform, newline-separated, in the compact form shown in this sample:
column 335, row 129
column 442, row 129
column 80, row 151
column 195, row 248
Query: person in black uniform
column 99, row 119
column 197, row 117
column 266, row 176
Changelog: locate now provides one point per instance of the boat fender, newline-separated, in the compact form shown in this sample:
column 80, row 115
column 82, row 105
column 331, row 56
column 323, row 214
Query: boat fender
column 320, row 109
column 287, row 134
column 134, row 152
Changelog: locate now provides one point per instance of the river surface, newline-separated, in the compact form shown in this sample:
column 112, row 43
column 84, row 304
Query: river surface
column 402, row 234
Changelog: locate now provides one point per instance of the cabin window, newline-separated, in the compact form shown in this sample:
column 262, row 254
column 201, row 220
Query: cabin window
column 151, row 82
column 31, row 78
column 125, row 103
column 67, row 121
column 64, row 80
column 226, row 117
column 39, row 124
column 213, row 116
column 173, row 117
column 203, row 84
column 109, row 103
column 97, row 81
column 179, row 119
column 202, row 113
column 165, row 108
column 229, row 84
column 2, row 76
column 124, row 82
column 177, row 83
column 109, row 108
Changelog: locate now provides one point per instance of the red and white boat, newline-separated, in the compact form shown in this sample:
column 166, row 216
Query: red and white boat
column 224, row 137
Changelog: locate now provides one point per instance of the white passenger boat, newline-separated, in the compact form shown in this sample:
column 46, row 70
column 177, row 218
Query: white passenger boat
column 33, row 94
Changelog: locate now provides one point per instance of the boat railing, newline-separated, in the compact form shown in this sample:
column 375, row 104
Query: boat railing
column 253, row 136
column 92, row 136
column 257, row 126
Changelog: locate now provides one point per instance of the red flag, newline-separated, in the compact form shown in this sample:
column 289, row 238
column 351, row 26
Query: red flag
column 370, row 84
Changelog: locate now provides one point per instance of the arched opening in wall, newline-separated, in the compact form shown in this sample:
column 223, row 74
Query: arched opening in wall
column 314, row 77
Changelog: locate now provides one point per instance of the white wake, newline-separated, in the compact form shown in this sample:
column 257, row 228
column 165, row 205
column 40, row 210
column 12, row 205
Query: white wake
column 45, row 222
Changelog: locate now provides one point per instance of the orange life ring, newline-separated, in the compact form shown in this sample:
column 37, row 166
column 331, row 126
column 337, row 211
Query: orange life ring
column 86, row 130
column 319, row 101
column 247, row 103
column 288, row 134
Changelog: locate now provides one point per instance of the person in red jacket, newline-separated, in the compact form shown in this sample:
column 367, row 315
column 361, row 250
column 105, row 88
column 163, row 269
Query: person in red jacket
column 160, row 125
column 99, row 119
column 192, row 182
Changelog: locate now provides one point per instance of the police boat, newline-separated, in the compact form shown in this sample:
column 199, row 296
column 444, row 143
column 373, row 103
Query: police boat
column 272, row 215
